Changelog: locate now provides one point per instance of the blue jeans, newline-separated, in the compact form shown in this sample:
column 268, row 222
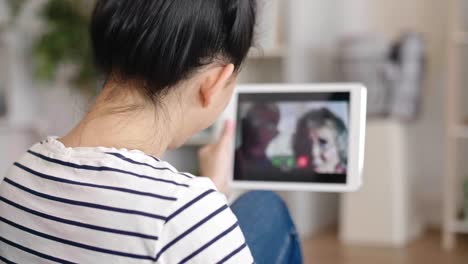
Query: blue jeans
column 268, row 228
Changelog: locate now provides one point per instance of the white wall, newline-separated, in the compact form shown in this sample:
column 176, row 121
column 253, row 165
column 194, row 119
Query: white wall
column 426, row 135
column 316, row 27
column 16, row 130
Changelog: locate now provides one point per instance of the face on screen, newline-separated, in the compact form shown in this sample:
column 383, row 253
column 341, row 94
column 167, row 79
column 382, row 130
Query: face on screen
column 325, row 150
column 292, row 139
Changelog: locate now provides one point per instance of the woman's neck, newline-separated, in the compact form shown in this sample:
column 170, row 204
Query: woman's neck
column 122, row 119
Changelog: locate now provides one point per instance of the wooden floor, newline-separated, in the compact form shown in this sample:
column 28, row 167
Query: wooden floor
column 326, row 249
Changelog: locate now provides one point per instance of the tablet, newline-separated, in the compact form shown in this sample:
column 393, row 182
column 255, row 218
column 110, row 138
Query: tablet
column 307, row 137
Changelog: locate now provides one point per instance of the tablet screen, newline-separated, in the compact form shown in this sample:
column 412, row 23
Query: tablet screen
column 300, row 137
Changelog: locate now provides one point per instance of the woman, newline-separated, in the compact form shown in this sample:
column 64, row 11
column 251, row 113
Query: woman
column 100, row 195
column 321, row 139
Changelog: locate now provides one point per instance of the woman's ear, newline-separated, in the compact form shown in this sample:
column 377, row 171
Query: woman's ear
column 214, row 81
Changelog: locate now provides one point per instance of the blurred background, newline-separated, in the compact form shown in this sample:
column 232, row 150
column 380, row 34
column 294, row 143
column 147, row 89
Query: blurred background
column 411, row 54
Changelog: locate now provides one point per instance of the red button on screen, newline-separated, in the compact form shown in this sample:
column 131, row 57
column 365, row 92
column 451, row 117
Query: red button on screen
column 302, row 161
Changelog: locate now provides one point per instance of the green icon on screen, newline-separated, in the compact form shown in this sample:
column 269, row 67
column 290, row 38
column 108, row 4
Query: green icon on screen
column 276, row 162
column 284, row 162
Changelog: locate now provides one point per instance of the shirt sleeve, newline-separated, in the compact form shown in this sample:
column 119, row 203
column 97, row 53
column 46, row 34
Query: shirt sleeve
column 201, row 228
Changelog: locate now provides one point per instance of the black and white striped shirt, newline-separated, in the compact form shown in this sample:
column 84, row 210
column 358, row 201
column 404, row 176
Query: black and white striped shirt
column 103, row 205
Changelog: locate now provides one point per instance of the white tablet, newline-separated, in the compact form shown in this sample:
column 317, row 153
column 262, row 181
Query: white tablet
column 306, row 137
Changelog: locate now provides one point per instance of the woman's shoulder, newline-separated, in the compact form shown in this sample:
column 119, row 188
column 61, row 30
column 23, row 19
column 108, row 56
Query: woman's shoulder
column 120, row 166
column 119, row 173
column 127, row 165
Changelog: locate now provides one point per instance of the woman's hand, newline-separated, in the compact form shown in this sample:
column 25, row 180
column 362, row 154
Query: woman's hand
column 216, row 159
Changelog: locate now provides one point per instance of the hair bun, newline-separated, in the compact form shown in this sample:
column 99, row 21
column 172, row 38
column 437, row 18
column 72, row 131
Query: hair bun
column 162, row 42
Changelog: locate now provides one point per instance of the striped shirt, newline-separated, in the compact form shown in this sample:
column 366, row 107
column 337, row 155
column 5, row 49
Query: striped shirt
column 104, row 205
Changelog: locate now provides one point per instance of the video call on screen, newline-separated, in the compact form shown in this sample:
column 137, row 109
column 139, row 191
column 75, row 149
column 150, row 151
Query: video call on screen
column 301, row 137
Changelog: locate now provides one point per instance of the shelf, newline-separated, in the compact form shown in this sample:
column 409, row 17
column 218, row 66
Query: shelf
column 270, row 53
column 461, row 226
column 457, row 42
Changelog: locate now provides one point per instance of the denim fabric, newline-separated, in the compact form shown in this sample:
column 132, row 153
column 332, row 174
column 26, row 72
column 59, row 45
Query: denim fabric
column 268, row 228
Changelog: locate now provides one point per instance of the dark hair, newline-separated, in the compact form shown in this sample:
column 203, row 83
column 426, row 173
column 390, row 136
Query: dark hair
column 317, row 119
column 161, row 42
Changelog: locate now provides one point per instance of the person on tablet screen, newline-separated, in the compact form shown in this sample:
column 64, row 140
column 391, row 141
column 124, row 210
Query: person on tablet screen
column 259, row 128
column 320, row 142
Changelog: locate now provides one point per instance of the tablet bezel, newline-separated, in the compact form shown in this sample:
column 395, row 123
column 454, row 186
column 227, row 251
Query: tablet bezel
column 357, row 120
